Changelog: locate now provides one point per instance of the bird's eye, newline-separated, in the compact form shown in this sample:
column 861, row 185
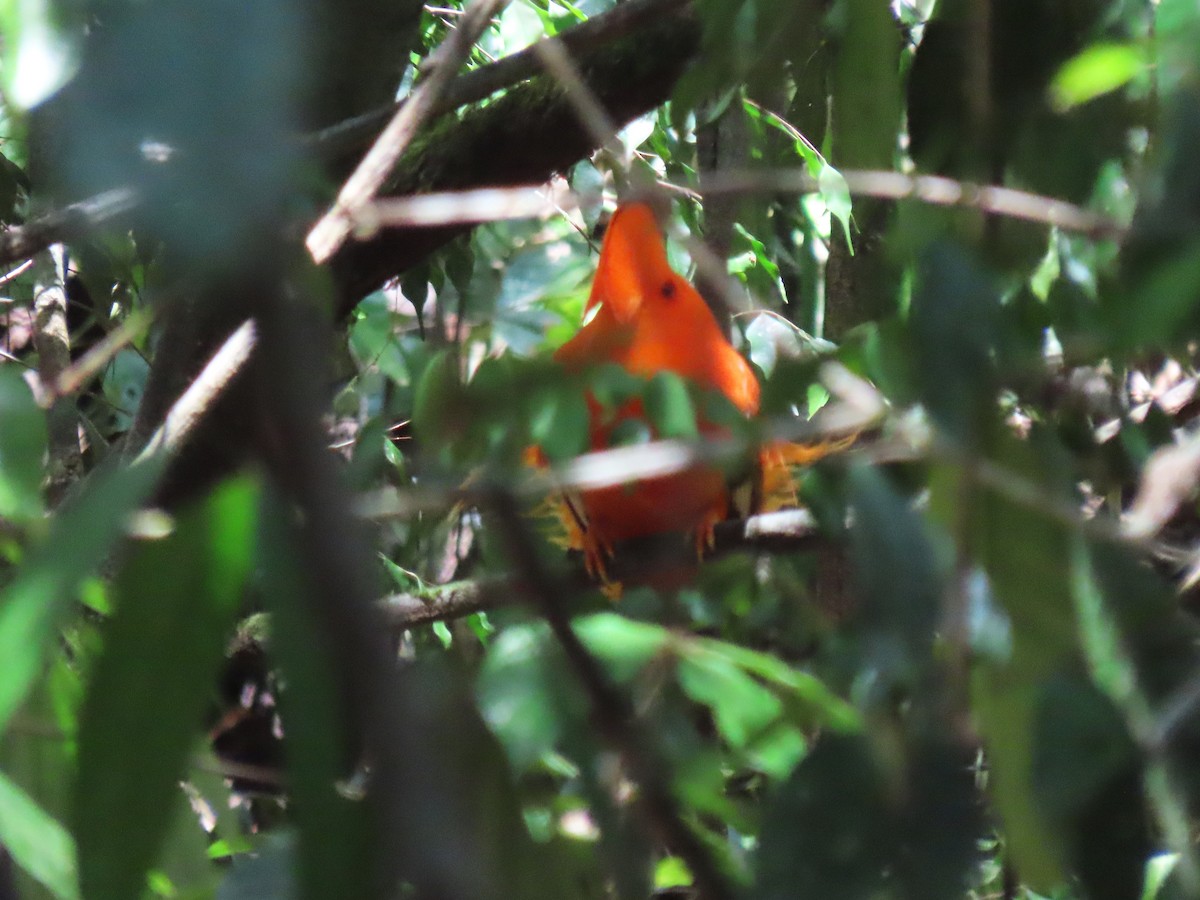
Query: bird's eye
column 668, row 289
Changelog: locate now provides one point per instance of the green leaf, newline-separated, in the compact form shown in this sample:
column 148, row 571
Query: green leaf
column 897, row 575
column 81, row 535
column 40, row 50
column 22, row 448
column 374, row 341
column 835, row 192
column 625, row 645
column 840, row 827
column 828, row 709
column 559, row 421
column 955, row 324
column 1100, row 69
column 177, row 603
column 440, row 404
column 669, row 406
column 38, row 844
column 742, row 707
column 670, row 872
column 517, row 694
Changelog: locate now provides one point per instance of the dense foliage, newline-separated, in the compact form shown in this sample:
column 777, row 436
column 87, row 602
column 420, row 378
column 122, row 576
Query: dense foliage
column 278, row 613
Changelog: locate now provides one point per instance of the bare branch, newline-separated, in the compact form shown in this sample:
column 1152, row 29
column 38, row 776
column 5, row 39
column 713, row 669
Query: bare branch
column 92, row 363
column 53, row 344
column 331, row 231
column 200, row 395
column 501, row 203
column 461, row 208
column 933, row 189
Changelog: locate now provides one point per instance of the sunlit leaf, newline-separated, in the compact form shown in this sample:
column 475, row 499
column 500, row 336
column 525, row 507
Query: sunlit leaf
column 1098, row 70
column 38, row 844
column 81, row 534
column 41, row 49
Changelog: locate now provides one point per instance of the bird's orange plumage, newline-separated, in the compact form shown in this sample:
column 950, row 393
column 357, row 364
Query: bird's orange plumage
column 648, row 319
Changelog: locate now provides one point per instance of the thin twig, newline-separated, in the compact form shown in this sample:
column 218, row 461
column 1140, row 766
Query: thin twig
column 460, row 208
column 332, row 229
column 232, row 768
column 15, row 272
column 53, row 344
column 200, row 395
column 92, row 363
column 592, row 115
column 932, row 189
column 611, row 711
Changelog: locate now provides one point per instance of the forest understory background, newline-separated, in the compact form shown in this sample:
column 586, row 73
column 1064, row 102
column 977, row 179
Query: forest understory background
column 281, row 283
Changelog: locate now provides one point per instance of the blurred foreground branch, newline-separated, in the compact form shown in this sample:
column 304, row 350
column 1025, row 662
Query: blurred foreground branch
column 612, row 713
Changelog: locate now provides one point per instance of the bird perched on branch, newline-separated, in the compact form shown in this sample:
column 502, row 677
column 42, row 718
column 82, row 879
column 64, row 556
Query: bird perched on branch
column 649, row 320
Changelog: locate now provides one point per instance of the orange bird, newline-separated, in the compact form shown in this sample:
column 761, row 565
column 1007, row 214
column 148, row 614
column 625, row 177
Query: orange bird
column 648, row 319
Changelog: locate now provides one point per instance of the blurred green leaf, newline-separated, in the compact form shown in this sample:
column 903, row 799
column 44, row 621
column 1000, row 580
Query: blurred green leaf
column 439, row 404
column 624, row 644
column 41, row 46
column 38, row 844
column 955, row 326
column 178, row 599
column 897, row 576
column 82, row 533
column 742, row 707
column 559, row 421
column 332, row 846
column 1098, row 70
column 374, row 341
column 671, row 871
column 669, row 406
column 866, row 89
column 22, row 448
column 826, row 708
column 517, row 694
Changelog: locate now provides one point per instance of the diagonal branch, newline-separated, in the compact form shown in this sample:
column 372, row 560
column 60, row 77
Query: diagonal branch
column 362, row 186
